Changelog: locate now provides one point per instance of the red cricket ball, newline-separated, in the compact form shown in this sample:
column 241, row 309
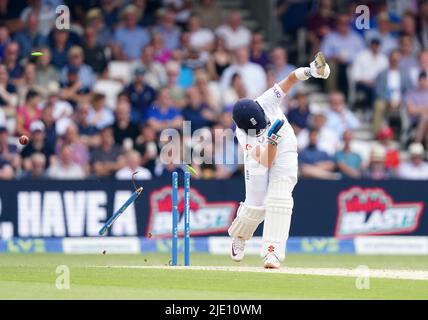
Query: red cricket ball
column 24, row 140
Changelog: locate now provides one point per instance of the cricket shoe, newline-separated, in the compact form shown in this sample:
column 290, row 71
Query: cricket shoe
column 237, row 249
column 319, row 67
column 271, row 261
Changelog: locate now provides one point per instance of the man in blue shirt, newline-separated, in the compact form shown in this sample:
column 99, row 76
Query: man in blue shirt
column 162, row 115
column 130, row 39
column 76, row 60
column 315, row 163
column 349, row 163
column 141, row 96
column 30, row 37
column 299, row 115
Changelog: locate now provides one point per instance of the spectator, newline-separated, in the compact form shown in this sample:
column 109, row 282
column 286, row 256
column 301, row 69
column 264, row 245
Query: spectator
column 95, row 21
column 340, row 47
column 391, row 87
column 408, row 27
column 298, row 116
column 408, row 58
column 100, row 115
column 320, row 23
column 339, row 118
column 349, row 163
column 6, row 170
column 147, row 9
column 146, row 145
column 61, row 109
column 79, row 150
column 129, row 39
column 315, row 163
column 176, row 91
column 110, row 12
column 141, row 95
column 133, row 165
column 155, row 74
column 234, row 34
column 73, row 91
column 165, row 169
column 30, row 37
column 107, row 158
column 328, row 140
column 87, row 131
column 168, row 29
column 59, row 45
column 190, row 60
column 14, row 69
column 422, row 66
column 28, row 113
column 4, row 39
column 377, row 169
column 253, row 75
column 46, row 74
column 280, row 65
column 415, row 168
column 291, row 15
column 28, row 82
column 94, row 54
column 258, row 54
column 200, row 39
column 220, row 59
column 392, row 156
column 161, row 53
column 368, row 64
column 123, row 128
column 8, row 151
column 76, row 60
column 417, row 108
column 2, row 118
column 46, row 15
column 383, row 32
column 65, row 168
column 50, row 123
column 422, row 23
column 197, row 112
column 8, row 96
column 37, row 168
column 37, row 145
column 210, row 12
column 235, row 92
column 182, row 8
column 209, row 90
column 163, row 115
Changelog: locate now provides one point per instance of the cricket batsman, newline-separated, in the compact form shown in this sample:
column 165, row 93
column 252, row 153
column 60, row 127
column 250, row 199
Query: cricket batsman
column 270, row 160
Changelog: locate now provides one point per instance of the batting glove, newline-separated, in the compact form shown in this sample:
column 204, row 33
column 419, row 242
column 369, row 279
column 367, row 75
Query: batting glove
column 319, row 67
column 275, row 133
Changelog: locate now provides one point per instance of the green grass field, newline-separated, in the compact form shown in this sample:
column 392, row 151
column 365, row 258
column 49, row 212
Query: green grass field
column 33, row 276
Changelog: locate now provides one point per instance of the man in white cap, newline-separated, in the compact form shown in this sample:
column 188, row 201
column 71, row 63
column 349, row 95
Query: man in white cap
column 415, row 168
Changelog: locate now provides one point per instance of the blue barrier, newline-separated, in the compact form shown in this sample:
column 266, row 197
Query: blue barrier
column 219, row 245
column 31, row 245
column 216, row 245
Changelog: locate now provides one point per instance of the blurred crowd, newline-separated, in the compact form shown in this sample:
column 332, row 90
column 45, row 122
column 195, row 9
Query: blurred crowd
column 96, row 102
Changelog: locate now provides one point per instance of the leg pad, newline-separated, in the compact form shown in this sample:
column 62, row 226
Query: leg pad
column 246, row 221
